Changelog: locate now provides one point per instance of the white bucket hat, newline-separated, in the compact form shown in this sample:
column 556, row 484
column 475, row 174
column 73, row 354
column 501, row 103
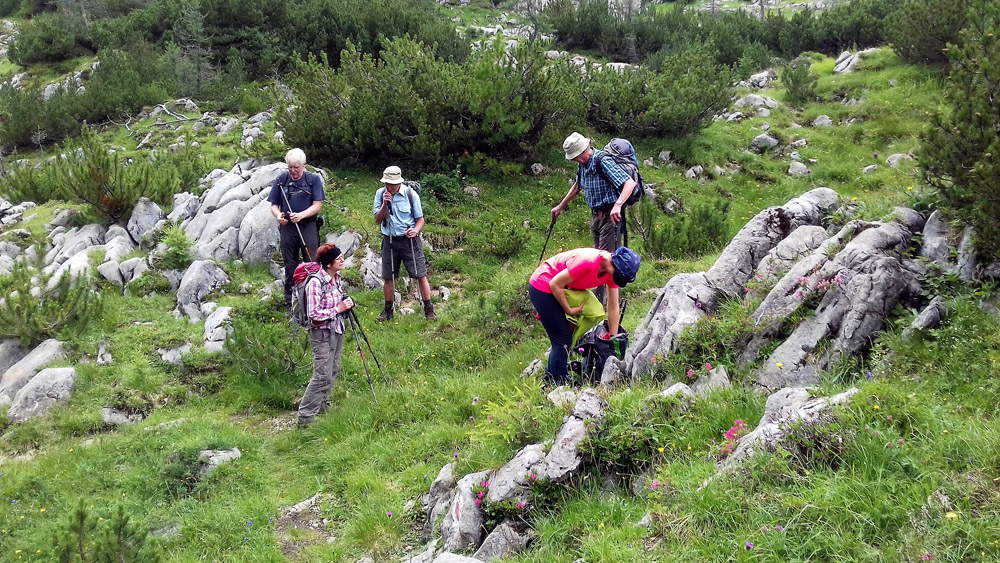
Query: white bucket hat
column 574, row 145
column 392, row 175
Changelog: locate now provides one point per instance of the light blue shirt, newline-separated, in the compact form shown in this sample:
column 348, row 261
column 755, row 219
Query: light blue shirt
column 403, row 213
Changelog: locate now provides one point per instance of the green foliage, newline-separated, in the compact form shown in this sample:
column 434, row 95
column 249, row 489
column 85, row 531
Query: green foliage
column 714, row 340
column 687, row 233
column 522, row 418
column 182, row 472
column 800, row 84
column 124, row 82
column 410, row 105
column 500, row 238
column 28, row 183
column 8, row 7
column 178, row 254
column 959, row 153
column 679, row 99
column 446, row 188
column 56, row 305
column 83, row 538
column 105, row 181
column 47, row 37
column 264, row 356
column 920, row 30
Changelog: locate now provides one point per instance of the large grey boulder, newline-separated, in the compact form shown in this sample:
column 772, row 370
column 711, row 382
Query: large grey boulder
column 347, row 241
column 371, row 269
column 565, row 458
column 802, row 242
column 505, row 540
column 73, row 242
column 144, row 216
column 9, row 249
column 257, row 239
column 756, row 101
column 111, row 271
column 11, row 352
column 76, row 267
column 185, row 207
column 462, row 527
column 118, row 244
column 200, row 279
column 6, row 265
column 717, row 378
column 17, row 375
column 46, row 390
column 133, row 268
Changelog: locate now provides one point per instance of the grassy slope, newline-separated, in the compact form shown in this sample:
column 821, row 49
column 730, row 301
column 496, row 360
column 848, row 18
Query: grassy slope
column 369, row 459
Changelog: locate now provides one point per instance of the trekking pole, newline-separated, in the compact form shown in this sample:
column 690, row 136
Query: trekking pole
column 357, row 342
column 357, row 321
column 544, row 246
column 301, row 238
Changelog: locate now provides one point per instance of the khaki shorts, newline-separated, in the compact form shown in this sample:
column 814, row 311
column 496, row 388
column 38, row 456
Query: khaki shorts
column 406, row 251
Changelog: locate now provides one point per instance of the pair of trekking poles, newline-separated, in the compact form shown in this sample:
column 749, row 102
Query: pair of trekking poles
column 352, row 317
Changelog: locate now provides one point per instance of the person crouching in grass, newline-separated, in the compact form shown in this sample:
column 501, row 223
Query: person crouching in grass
column 583, row 269
column 326, row 304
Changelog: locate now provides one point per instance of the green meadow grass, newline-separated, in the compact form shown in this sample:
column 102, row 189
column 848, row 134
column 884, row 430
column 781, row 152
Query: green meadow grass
column 924, row 423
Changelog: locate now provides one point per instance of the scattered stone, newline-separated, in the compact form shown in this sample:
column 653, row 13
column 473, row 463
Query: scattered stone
column 218, row 326
column 822, row 121
column 462, row 527
column 534, row 368
column 763, row 142
column 445, row 293
column 694, row 172
column 756, row 101
column 174, row 355
column 665, row 156
column 717, row 378
column 935, row 248
column 929, row 318
column 968, row 262
column 539, row 169
column 104, row 355
column 115, row 417
column 438, row 499
column 894, row 161
column 562, row 395
column 797, row 169
column 200, row 279
column 17, row 375
column 212, row 459
column 871, row 168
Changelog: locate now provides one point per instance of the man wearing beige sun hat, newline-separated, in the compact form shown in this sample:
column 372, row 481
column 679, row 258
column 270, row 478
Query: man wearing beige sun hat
column 397, row 209
column 605, row 189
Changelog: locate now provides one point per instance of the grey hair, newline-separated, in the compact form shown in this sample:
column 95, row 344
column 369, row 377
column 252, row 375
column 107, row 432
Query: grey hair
column 295, row 156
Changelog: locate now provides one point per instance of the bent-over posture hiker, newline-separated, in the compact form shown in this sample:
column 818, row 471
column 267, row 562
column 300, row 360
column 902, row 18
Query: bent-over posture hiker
column 397, row 209
column 605, row 190
column 296, row 197
column 326, row 304
column 580, row 268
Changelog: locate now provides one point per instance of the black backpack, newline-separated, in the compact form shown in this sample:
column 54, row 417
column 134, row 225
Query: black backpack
column 596, row 351
column 623, row 153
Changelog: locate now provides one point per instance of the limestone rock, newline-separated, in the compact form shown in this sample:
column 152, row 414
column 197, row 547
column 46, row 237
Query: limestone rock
column 896, row 160
column 218, row 326
column 437, row 500
column 565, row 457
column 822, row 121
column 505, row 540
column 462, row 527
column 144, row 216
column 200, row 279
column 115, row 417
column 512, row 480
column 929, row 318
column 212, row 459
column 717, row 378
column 935, row 248
column 25, row 369
column 46, row 390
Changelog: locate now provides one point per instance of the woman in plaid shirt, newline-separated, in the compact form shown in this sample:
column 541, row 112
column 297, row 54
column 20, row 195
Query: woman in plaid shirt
column 326, row 304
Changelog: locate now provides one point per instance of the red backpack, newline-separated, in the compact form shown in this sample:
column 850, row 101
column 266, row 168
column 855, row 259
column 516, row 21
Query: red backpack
column 300, row 277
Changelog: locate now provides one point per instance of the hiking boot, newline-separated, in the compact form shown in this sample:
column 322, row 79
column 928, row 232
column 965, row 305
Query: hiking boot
column 386, row 313
column 305, row 422
column 429, row 311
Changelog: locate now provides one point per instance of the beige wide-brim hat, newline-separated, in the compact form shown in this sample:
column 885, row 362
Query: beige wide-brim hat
column 574, row 145
column 392, row 175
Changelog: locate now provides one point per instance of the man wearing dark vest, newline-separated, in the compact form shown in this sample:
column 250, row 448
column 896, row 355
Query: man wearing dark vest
column 296, row 198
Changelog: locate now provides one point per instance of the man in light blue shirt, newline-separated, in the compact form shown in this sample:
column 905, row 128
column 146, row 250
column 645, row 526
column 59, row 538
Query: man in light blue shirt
column 397, row 209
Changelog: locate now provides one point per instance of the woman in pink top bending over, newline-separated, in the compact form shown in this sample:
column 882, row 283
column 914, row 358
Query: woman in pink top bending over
column 580, row 268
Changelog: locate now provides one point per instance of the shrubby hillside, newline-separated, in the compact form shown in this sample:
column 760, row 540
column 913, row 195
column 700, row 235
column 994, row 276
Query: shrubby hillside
column 812, row 369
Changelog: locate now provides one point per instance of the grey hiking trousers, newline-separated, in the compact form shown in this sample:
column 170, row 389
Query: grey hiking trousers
column 327, row 348
column 607, row 236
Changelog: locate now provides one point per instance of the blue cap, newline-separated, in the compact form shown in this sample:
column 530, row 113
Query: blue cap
column 626, row 263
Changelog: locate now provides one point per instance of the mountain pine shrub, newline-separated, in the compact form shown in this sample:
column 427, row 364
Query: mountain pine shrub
column 960, row 152
column 920, row 30
column 800, row 84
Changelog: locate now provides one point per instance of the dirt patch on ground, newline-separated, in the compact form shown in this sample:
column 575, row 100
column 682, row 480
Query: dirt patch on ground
column 300, row 526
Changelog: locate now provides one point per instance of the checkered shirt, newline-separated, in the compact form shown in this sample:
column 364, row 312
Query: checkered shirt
column 323, row 294
column 596, row 190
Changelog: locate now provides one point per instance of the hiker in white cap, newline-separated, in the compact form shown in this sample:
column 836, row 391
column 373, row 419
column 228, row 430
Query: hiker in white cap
column 605, row 190
column 397, row 209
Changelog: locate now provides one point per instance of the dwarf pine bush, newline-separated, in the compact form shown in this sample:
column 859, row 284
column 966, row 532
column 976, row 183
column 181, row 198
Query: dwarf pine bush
column 800, row 84
column 33, row 311
column 84, row 538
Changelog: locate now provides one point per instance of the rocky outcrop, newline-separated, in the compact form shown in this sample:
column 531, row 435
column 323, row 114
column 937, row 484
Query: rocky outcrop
column 462, row 527
column 687, row 297
column 18, row 375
